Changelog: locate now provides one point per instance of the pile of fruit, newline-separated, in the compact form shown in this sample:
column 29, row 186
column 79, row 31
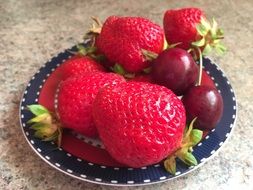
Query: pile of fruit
column 139, row 88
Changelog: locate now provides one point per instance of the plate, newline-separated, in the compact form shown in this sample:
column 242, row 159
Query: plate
column 86, row 159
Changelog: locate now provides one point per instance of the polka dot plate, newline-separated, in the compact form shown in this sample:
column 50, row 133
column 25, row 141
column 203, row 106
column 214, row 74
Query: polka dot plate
column 87, row 160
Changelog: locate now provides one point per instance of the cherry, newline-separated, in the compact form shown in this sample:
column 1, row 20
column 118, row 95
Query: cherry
column 205, row 103
column 175, row 69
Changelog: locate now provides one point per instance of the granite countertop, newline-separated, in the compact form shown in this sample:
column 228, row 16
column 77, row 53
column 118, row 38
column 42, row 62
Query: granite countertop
column 31, row 32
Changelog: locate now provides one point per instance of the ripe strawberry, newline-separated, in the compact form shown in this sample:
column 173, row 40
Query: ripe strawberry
column 180, row 26
column 190, row 28
column 122, row 40
column 142, row 78
column 79, row 65
column 75, row 98
column 139, row 123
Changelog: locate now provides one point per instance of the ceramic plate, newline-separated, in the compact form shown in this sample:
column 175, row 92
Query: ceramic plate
column 87, row 160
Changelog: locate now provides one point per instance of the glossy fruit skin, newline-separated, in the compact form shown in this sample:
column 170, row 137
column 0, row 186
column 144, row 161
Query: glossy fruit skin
column 175, row 69
column 123, row 38
column 75, row 98
column 205, row 103
column 79, row 65
column 180, row 26
column 139, row 123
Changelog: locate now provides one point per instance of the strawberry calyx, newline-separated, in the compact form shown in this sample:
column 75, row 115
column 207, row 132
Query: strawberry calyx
column 90, row 51
column 119, row 69
column 96, row 26
column 149, row 55
column 45, row 124
column 211, row 37
column 94, row 31
column 191, row 138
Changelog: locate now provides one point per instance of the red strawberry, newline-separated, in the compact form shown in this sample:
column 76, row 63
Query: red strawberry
column 180, row 26
column 122, row 39
column 190, row 27
column 142, row 78
column 78, row 65
column 75, row 98
column 139, row 123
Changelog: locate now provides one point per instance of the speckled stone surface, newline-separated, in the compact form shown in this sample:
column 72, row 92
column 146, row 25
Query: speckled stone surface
column 33, row 31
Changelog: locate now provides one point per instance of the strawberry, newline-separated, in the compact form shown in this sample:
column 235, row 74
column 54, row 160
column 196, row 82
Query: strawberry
column 139, row 123
column 79, row 65
column 75, row 98
column 190, row 28
column 142, row 78
column 122, row 40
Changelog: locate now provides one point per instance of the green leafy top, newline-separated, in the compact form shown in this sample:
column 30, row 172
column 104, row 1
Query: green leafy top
column 211, row 37
column 190, row 139
column 45, row 124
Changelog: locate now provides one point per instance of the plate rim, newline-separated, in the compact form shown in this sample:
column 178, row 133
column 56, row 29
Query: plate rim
column 107, row 183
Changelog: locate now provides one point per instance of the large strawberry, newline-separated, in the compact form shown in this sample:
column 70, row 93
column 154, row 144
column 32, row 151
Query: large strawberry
column 75, row 98
column 139, row 123
column 190, row 28
column 79, row 65
column 122, row 40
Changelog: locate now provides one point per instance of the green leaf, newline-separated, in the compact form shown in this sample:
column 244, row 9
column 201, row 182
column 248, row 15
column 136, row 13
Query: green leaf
column 207, row 49
column 220, row 32
column 199, row 43
column 37, row 109
column 195, row 136
column 174, row 45
column 129, row 75
column 37, row 126
column 53, row 137
column 147, row 70
column 216, row 41
column 170, row 165
column 99, row 57
column 149, row 55
column 45, row 118
column 205, row 24
column 188, row 158
column 214, row 29
column 117, row 68
column 81, row 49
column 39, row 134
column 201, row 29
column 214, row 24
column 189, row 130
column 45, row 131
column 220, row 49
column 91, row 49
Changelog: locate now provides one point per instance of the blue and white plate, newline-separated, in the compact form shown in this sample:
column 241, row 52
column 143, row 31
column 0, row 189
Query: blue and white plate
column 85, row 170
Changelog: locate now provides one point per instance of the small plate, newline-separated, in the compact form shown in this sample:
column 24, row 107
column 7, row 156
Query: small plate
column 87, row 160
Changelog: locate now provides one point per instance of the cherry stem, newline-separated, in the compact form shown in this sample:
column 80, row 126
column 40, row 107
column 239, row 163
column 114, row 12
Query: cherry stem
column 200, row 66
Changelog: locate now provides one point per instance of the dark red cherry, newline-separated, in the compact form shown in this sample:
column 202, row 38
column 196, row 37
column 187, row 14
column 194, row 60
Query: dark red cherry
column 205, row 103
column 175, row 69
